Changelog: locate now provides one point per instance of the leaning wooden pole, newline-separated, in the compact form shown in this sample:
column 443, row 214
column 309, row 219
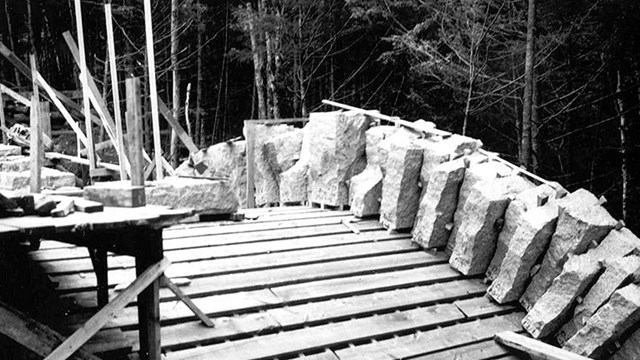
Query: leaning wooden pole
column 85, row 89
column 155, row 121
column 114, row 89
column 35, row 149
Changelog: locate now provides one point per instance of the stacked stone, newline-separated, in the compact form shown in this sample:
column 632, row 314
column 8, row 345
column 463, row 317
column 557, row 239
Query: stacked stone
column 202, row 195
column 283, row 151
column 514, row 218
column 553, row 308
column 434, row 220
column 475, row 240
column 337, row 153
column 608, row 324
column 581, row 223
column 438, row 152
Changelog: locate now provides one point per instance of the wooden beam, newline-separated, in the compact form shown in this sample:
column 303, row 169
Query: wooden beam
column 151, row 65
column 84, row 80
column 535, row 348
column 182, row 135
column 134, row 130
column 35, row 148
column 114, row 89
column 17, row 97
column 165, row 281
column 97, row 321
column 33, row 335
column 251, row 142
column 79, row 160
column 3, row 122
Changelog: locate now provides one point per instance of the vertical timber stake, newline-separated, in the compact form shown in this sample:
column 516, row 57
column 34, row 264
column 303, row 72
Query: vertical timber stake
column 155, row 121
column 134, row 131
column 35, row 150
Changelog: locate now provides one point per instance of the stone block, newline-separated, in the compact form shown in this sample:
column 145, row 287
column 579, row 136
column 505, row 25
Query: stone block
column 607, row 325
column 377, row 150
column 527, row 244
column 337, row 143
column 475, row 240
column 51, row 179
column 15, row 163
column 473, row 175
column 365, row 192
column 8, row 150
column 555, row 305
column 400, row 186
column 294, row 183
column 630, row 349
column 581, row 222
column 434, row 220
column 116, row 194
column 617, row 273
column 283, row 151
column 436, row 153
column 202, row 195
column 513, row 218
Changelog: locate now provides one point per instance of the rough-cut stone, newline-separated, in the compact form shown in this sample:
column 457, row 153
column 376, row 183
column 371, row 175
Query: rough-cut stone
column 283, row 151
column 51, row 179
column 435, row 214
column 377, row 150
column 265, row 179
column 400, row 186
column 16, row 163
column 226, row 159
column 608, row 323
column 581, row 222
column 617, row 273
column 365, row 192
column 523, row 202
column 527, row 244
column 7, row 150
column 337, row 153
column 475, row 240
column 436, row 153
column 553, row 308
column 211, row 196
column 630, row 349
column 293, row 183
column 473, row 175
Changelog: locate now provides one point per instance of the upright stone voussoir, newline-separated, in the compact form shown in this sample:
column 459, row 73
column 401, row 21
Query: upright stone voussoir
column 365, row 192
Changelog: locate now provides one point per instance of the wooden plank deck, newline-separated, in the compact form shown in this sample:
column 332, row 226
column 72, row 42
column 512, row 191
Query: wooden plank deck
column 295, row 282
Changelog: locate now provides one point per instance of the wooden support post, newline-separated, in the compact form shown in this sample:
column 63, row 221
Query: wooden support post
column 145, row 280
column 134, row 131
column 98, row 257
column 17, row 97
column 251, row 142
column 45, row 124
column 148, row 253
column 3, row 122
column 151, row 64
column 85, row 88
column 175, row 125
column 116, row 93
column 35, row 149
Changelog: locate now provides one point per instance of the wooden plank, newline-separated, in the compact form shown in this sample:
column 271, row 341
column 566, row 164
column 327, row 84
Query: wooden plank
column 77, row 339
column 35, row 148
column 77, row 160
column 33, row 335
column 64, row 208
column 182, row 135
column 279, row 121
column 250, row 144
column 17, row 97
column 249, row 263
column 115, row 91
column 427, row 342
column 151, row 66
column 534, row 347
column 187, row 301
column 481, row 305
column 84, row 80
column 134, row 129
column 3, row 121
column 487, row 349
column 297, row 341
column 88, row 206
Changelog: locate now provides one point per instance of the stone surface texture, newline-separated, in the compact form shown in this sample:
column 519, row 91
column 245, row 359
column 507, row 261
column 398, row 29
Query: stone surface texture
column 365, row 192
column 555, row 305
column 337, row 153
column 581, row 222
column 293, row 183
column 226, row 159
column 16, row 163
column 213, row 197
column 7, row 150
column 608, row 323
column 475, row 240
column 283, row 151
column 527, row 244
column 265, row 179
column 377, row 149
column 438, row 205
column 617, row 273
column 51, row 179
column 400, row 186
column 438, row 152
column 513, row 218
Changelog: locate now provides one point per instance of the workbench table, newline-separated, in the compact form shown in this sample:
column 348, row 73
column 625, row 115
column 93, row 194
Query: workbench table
column 128, row 231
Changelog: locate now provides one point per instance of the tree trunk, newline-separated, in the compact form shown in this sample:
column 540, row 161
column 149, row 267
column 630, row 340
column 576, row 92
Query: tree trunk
column 11, row 42
column 176, row 81
column 624, row 150
column 525, row 153
column 300, row 70
column 535, row 127
column 199, row 123
column 257, row 63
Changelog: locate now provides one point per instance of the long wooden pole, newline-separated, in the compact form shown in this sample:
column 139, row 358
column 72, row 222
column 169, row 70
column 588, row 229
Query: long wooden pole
column 85, row 88
column 114, row 90
column 155, row 121
column 3, row 122
column 35, row 149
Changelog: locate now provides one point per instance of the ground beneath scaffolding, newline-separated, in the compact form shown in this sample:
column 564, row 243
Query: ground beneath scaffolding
column 294, row 282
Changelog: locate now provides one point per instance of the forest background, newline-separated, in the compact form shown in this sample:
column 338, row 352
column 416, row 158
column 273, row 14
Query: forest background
column 571, row 116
